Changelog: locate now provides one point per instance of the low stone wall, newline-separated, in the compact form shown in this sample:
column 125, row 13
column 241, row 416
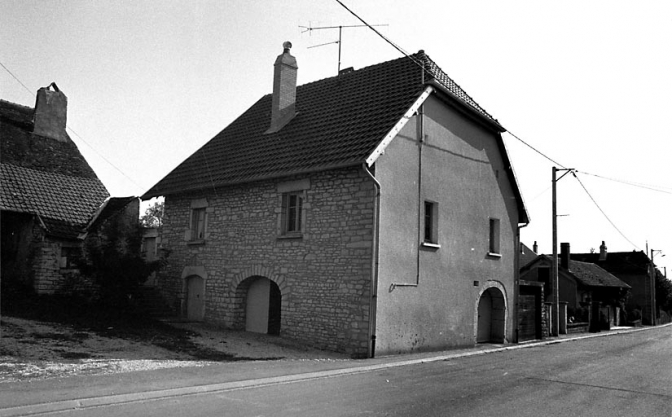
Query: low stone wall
column 573, row 328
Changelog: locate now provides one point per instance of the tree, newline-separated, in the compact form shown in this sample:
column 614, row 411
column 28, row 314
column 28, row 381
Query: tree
column 153, row 216
column 663, row 292
column 111, row 258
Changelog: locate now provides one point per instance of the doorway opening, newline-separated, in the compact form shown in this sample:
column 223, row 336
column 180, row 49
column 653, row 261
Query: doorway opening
column 491, row 317
column 263, row 306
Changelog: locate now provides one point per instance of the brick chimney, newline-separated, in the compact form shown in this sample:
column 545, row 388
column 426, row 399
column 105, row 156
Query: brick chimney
column 284, row 90
column 51, row 110
column 564, row 255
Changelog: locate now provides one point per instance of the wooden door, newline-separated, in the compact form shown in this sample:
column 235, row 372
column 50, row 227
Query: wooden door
column 195, row 298
column 484, row 318
column 256, row 312
column 527, row 317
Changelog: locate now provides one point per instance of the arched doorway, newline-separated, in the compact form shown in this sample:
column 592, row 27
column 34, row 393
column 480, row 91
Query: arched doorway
column 195, row 297
column 491, row 310
column 263, row 306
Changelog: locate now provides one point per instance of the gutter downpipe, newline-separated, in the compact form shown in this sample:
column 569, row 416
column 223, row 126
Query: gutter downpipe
column 374, row 265
column 421, row 140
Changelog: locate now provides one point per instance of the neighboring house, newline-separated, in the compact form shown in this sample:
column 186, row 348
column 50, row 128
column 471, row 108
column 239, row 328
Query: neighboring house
column 633, row 268
column 48, row 193
column 372, row 212
column 579, row 284
column 527, row 255
column 532, row 314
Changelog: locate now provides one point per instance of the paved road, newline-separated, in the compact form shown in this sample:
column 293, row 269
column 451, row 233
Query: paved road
column 619, row 375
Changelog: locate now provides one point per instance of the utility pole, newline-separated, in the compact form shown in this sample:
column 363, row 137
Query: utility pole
column 653, row 285
column 555, row 299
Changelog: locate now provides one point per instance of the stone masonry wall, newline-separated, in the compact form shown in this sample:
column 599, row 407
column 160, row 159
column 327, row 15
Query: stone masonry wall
column 47, row 266
column 323, row 276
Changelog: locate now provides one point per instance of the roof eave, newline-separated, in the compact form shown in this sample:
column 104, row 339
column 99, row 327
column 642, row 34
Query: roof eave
column 524, row 217
column 490, row 123
column 387, row 139
column 156, row 193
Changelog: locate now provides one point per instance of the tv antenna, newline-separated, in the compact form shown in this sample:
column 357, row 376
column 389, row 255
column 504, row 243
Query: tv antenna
column 339, row 41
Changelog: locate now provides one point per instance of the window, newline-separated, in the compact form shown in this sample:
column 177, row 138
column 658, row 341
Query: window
column 198, row 224
column 545, row 277
column 292, row 212
column 431, row 232
column 494, row 237
column 199, row 216
column 292, row 198
column 70, row 256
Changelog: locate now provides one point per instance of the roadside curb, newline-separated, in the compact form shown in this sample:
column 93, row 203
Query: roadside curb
column 80, row 404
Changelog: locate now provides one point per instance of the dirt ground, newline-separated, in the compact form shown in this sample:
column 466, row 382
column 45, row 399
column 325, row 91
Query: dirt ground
column 32, row 349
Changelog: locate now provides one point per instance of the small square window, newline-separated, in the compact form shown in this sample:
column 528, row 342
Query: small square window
column 198, row 224
column 292, row 212
column 494, row 237
column 431, row 229
column 70, row 256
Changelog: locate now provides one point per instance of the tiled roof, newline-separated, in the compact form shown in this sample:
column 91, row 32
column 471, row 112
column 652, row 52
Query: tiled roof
column 60, row 200
column 588, row 274
column 452, row 86
column 20, row 147
column 45, row 177
column 339, row 122
column 16, row 113
column 618, row 262
column 592, row 275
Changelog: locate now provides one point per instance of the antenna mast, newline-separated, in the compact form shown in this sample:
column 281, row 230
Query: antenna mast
column 339, row 41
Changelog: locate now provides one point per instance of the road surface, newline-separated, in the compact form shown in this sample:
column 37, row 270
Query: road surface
column 619, row 375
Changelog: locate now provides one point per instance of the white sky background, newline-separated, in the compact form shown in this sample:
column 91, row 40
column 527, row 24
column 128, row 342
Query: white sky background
column 587, row 83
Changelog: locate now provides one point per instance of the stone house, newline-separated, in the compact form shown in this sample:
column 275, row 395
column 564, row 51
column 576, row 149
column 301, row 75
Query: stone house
column 48, row 193
column 373, row 212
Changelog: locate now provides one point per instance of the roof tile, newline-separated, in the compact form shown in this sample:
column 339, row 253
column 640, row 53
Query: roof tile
column 339, row 122
column 45, row 177
column 593, row 276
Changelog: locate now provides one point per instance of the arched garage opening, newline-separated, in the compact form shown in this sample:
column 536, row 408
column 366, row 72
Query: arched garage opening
column 262, row 305
column 491, row 316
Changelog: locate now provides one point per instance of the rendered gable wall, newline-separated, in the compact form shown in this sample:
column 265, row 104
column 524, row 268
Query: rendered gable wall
column 459, row 166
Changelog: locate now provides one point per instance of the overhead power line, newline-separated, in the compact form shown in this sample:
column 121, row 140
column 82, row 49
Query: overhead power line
column 15, row 77
column 659, row 189
column 602, row 211
column 536, row 150
column 141, row 187
column 398, row 48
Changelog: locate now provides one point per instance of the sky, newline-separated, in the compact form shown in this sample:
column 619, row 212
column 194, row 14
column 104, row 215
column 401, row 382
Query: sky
column 583, row 84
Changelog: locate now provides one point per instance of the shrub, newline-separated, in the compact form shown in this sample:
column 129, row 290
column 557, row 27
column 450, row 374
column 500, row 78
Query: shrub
column 112, row 260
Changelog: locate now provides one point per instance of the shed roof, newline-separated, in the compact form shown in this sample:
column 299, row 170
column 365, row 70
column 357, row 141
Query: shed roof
column 586, row 273
column 592, row 275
